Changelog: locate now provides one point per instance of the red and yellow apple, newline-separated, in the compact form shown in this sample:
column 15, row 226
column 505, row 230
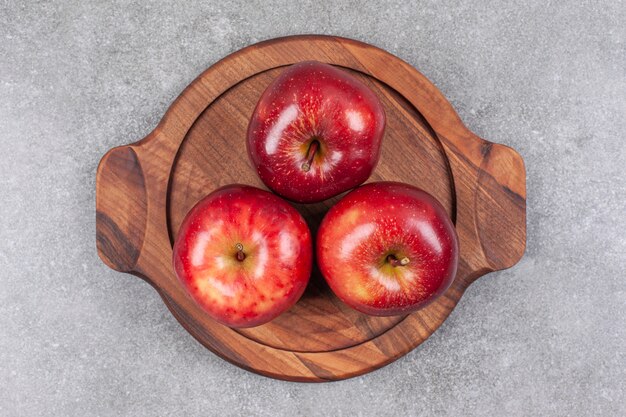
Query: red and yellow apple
column 315, row 132
column 244, row 255
column 387, row 249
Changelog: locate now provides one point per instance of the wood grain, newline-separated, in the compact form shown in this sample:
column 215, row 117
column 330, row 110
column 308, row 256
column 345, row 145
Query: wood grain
column 144, row 190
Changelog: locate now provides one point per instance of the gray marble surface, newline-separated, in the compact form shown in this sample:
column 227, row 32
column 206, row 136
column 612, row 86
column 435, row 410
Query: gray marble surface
column 547, row 337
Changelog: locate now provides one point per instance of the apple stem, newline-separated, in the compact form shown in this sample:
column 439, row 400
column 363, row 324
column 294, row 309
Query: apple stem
column 397, row 262
column 240, row 254
column 310, row 154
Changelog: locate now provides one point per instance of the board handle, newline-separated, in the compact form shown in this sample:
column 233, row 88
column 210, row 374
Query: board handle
column 490, row 189
column 500, row 205
column 121, row 208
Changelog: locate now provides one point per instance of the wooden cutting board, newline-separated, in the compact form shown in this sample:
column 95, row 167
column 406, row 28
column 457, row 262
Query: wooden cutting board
column 143, row 191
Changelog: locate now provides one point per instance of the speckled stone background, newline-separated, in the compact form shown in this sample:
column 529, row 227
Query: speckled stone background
column 547, row 337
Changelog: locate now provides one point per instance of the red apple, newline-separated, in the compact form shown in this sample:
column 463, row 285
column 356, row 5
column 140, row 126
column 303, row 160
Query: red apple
column 315, row 133
column 387, row 248
column 244, row 255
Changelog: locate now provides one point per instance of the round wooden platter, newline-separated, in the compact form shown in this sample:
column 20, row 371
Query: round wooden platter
column 143, row 191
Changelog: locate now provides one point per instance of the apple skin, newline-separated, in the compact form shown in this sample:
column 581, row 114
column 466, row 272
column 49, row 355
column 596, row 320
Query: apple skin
column 267, row 279
column 387, row 249
column 309, row 103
